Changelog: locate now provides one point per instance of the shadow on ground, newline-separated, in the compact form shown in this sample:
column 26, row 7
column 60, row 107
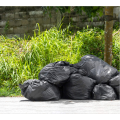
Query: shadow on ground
column 66, row 101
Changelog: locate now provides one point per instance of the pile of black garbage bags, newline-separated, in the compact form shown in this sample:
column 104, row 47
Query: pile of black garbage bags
column 91, row 78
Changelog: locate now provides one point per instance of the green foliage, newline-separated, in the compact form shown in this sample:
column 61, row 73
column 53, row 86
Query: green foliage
column 116, row 25
column 6, row 89
column 22, row 59
column 6, row 27
column 116, row 50
column 90, row 39
column 91, row 11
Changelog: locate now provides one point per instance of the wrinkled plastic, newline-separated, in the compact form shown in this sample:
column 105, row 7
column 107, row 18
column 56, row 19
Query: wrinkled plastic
column 61, row 63
column 37, row 90
column 56, row 73
column 74, row 81
column 117, row 90
column 96, row 68
column 78, row 87
column 115, row 80
column 104, row 92
column 115, row 83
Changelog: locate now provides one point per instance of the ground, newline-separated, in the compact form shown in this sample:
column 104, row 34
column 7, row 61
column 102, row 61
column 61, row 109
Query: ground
column 22, row 105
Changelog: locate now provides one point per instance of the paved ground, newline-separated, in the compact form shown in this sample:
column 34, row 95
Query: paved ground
column 22, row 105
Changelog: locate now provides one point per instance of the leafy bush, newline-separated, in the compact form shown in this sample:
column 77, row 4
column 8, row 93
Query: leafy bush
column 22, row 59
column 116, row 50
column 92, row 42
column 116, row 25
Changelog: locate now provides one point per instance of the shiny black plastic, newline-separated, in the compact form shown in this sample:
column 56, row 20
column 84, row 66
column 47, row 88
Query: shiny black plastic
column 37, row 90
column 115, row 83
column 96, row 68
column 56, row 73
column 104, row 92
column 78, row 87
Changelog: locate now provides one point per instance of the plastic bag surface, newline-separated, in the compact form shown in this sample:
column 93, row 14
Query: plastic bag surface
column 104, row 92
column 115, row 83
column 115, row 80
column 78, row 87
column 37, row 90
column 56, row 73
column 96, row 68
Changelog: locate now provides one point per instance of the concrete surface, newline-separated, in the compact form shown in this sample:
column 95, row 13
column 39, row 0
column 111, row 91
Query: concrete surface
column 22, row 105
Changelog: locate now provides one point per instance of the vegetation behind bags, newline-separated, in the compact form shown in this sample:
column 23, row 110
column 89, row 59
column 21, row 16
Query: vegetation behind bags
column 22, row 59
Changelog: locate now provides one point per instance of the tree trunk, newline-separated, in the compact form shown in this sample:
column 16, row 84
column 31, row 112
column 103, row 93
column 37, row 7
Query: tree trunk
column 108, row 34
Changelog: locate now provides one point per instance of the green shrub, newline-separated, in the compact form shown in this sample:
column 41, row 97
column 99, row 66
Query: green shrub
column 116, row 50
column 23, row 59
column 116, row 25
column 91, row 42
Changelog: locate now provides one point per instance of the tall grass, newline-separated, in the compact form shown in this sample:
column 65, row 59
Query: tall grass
column 22, row 59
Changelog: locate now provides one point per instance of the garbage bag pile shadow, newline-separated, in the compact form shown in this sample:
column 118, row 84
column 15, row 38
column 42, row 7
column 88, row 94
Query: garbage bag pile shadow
column 91, row 78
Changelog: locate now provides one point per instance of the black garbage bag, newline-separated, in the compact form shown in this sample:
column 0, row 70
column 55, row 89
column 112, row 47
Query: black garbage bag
column 37, row 90
column 78, row 87
column 117, row 90
column 104, row 92
column 56, row 73
column 64, row 63
column 96, row 68
column 61, row 63
column 115, row 83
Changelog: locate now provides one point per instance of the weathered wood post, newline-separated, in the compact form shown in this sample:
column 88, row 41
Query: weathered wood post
column 108, row 34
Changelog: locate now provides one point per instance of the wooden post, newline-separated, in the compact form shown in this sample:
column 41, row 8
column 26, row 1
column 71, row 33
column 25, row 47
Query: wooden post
column 108, row 34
